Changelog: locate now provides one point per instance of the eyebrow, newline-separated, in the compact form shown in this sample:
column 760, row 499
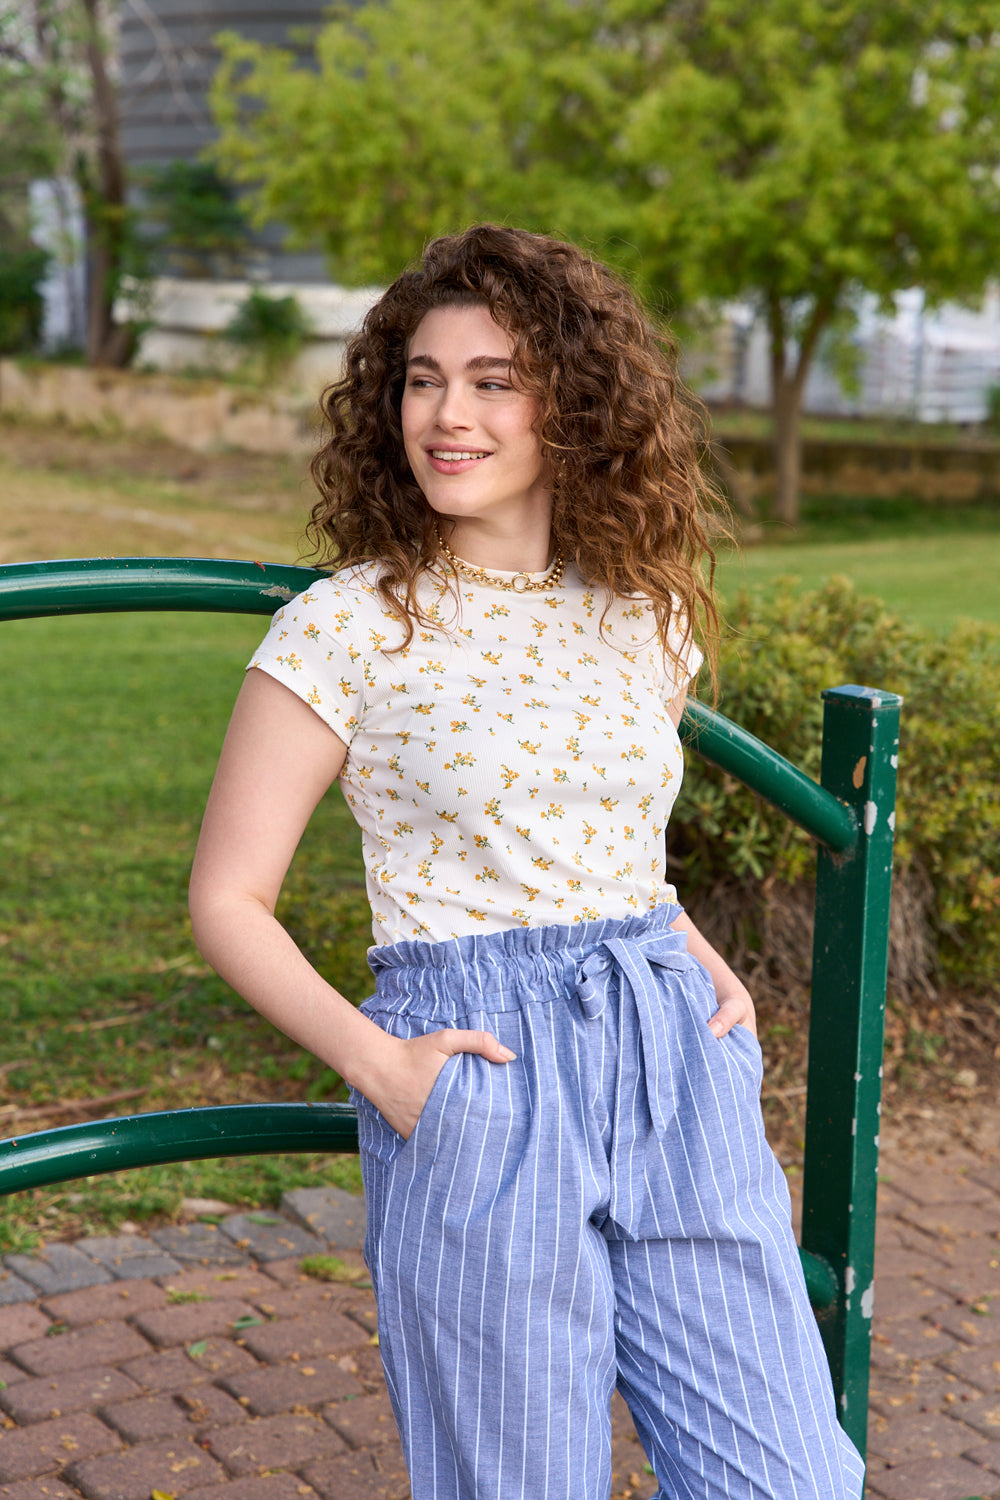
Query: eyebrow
column 478, row 362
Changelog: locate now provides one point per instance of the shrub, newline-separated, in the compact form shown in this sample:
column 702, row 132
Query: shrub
column 269, row 330
column 21, row 275
column 740, row 854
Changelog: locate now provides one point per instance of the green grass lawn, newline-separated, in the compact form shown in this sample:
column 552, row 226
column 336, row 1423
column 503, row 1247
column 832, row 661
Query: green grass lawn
column 109, row 731
column 934, row 566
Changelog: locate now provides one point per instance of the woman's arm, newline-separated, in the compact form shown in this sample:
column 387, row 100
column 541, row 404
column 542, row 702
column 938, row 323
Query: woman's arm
column 278, row 760
column 733, row 997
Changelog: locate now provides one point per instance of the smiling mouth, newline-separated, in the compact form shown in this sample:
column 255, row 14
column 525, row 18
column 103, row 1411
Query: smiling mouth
column 450, row 456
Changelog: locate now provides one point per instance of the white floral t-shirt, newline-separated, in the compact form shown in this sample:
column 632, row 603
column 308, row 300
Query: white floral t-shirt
column 511, row 765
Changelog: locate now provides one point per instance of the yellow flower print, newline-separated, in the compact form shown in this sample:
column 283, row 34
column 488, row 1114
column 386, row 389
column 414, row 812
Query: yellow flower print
column 432, row 666
column 560, row 776
column 477, row 916
column 590, row 914
column 522, row 916
column 402, row 829
column 667, row 776
column 392, row 794
column 404, row 735
column 293, row 662
column 343, row 619
column 588, row 602
column 353, row 653
column 578, row 628
column 507, row 718
column 459, row 726
column 530, row 891
column 307, row 598
column 283, row 636
column 602, row 771
column 588, row 659
column 629, row 720
column 509, row 776
column 524, row 832
column 394, row 765
column 448, row 817
column 470, row 701
column 423, row 708
column 314, row 698
column 424, row 786
column 645, row 803
column 575, row 886
column 609, row 803
column 426, row 636
column 492, row 657
column 542, row 863
column 582, row 720
column 535, row 703
column 564, row 675
column 479, row 682
column 587, row 698
column 463, row 758
column 492, row 810
column 526, row 678
column 539, row 626
column 589, row 832
column 533, row 654
column 311, row 632
column 413, row 897
column 481, row 841
column 425, row 870
column 573, row 746
column 554, row 810
column 531, row 748
column 488, row 874
column 629, row 832
column 437, row 844
column 498, row 611
column 634, row 752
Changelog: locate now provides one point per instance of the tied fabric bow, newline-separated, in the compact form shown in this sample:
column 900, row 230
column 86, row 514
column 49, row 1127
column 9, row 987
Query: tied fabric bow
column 623, row 979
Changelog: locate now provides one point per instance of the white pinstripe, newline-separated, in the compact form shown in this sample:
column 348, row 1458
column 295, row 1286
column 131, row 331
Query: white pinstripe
column 603, row 1207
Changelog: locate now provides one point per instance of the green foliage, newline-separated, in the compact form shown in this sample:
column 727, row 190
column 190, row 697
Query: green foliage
column 21, row 275
column 270, row 332
column 787, row 153
column 785, row 648
column 200, row 226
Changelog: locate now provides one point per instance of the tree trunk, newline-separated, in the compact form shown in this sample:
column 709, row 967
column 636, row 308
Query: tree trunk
column 787, row 384
column 104, row 203
column 787, row 450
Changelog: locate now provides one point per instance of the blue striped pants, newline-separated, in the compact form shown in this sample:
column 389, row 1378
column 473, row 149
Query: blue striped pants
column 604, row 1210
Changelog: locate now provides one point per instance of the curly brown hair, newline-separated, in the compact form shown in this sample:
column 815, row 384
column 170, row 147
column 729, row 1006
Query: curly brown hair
column 632, row 506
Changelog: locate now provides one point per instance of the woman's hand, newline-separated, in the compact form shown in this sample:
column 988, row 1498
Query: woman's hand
column 406, row 1071
column 735, row 1010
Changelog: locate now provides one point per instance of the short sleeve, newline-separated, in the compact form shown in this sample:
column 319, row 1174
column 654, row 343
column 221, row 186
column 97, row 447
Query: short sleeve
column 684, row 655
column 311, row 649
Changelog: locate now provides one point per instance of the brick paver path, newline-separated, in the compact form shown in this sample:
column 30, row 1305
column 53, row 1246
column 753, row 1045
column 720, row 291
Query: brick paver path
column 202, row 1362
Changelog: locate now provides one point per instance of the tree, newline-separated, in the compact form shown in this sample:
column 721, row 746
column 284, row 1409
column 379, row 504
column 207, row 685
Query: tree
column 57, row 51
column 786, row 152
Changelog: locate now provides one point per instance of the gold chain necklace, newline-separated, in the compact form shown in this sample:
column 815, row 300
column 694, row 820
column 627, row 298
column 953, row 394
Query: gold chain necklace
column 519, row 584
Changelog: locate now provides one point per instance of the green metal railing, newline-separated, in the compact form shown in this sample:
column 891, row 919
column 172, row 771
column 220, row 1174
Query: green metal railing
column 851, row 815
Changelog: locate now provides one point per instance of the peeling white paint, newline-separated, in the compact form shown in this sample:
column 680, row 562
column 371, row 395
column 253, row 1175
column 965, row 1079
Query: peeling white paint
column 892, row 820
column 277, row 591
column 849, row 1280
column 857, row 1078
column 894, row 762
column 854, row 1127
column 881, row 1070
column 871, row 815
column 868, row 1302
column 877, row 1140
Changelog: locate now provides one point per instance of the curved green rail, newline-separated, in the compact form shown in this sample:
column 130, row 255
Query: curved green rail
column 116, row 584
column 851, row 815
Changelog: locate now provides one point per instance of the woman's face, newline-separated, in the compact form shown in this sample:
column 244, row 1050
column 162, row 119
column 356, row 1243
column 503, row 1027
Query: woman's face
column 468, row 430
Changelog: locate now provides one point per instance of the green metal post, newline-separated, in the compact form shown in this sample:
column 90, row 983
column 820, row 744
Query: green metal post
column 850, row 956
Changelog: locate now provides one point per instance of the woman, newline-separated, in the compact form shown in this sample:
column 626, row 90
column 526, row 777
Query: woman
column 557, row 1077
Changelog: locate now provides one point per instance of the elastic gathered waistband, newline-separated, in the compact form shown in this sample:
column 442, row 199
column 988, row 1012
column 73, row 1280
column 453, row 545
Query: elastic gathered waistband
column 515, row 944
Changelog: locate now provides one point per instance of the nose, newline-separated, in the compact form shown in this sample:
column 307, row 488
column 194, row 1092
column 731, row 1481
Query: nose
column 454, row 412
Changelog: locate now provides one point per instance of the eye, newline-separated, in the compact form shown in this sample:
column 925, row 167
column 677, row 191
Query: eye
column 493, row 385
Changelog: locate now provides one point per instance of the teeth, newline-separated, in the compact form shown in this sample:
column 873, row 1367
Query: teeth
column 447, row 456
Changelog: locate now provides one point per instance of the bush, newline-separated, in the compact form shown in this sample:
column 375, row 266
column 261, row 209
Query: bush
column 738, row 853
column 21, row 275
column 269, row 330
